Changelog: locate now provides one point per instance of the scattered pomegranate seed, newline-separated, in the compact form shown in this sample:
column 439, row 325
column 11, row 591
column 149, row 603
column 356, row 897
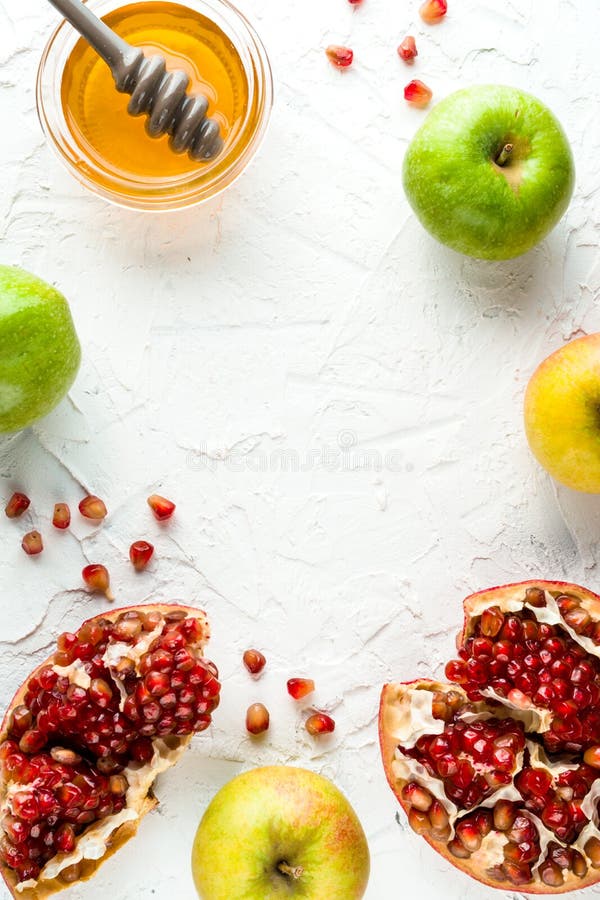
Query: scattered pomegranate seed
column 140, row 554
column 341, row 57
column 163, row 509
column 97, row 579
column 32, row 543
column 408, row 49
column 254, row 661
column 257, row 718
column 93, row 508
column 299, row 688
column 62, row 516
column 433, row 10
column 417, row 93
column 355, row 2
column 319, row 723
column 17, row 505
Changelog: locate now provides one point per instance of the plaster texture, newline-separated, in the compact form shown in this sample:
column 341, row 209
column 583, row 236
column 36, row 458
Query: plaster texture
column 333, row 400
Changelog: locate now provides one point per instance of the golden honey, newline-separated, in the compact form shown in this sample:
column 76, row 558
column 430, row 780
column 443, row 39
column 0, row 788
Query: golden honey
column 86, row 119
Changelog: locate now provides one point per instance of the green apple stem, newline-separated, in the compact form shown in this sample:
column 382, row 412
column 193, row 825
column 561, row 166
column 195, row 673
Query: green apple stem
column 504, row 155
column 295, row 872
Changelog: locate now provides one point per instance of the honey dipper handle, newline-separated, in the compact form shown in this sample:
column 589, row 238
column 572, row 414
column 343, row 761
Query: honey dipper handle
column 112, row 48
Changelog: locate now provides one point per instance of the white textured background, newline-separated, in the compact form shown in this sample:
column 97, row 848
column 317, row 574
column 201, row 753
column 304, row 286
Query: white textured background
column 304, row 310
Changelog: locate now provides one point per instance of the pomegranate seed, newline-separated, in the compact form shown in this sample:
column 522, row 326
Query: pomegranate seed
column 17, row 505
column 456, row 671
column 340, row 57
column 458, row 849
column 592, row 851
column 257, row 718
column 417, row 93
column 92, row 507
column 32, row 543
column 433, row 10
column 417, row 796
column 97, row 579
column 140, row 554
column 62, row 516
column 299, row 688
column 408, row 49
column 535, row 597
column 162, row 508
column 468, row 834
column 254, row 661
column 591, row 757
column 319, row 723
column 419, row 821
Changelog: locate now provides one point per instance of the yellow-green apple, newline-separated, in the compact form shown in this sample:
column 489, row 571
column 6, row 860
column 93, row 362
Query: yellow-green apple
column 39, row 349
column 562, row 414
column 278, row 832
column 490, row 171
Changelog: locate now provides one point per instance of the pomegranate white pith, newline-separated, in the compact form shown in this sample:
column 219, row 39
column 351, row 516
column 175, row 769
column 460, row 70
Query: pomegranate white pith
column 87, row 734
column 491, row 769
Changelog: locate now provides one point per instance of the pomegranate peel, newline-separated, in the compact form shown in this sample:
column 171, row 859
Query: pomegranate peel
column 93, row 836
column 478, row 770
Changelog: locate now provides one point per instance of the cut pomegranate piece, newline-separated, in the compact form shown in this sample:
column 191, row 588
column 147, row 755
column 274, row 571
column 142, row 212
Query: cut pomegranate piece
column 417, row 93
column 407, row 50
column 526, row 687
column 433, row 11
column 162, row 508
column 17, row 505
column 97, row 579
column 299, row 688
column 62, row 516
column 120, row 697
column 340, row 57
column 93, row 507
column 140, row 554
column 257, row 719
column 254, row 661
column 32, row 543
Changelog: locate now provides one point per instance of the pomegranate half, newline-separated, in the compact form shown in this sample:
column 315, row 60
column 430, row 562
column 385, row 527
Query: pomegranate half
column 87, row 734
column 499, row 770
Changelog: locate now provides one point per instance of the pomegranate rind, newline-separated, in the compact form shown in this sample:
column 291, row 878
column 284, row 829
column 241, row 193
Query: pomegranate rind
column 144, row 804
column 392, row 695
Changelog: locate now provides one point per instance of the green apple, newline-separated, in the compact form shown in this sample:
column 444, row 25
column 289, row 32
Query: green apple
column 39, row 349
column 280, row 832
column 490, row 172
column 562, row 414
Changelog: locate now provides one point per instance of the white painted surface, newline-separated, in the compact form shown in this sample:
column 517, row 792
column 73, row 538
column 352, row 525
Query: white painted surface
column 305, row 310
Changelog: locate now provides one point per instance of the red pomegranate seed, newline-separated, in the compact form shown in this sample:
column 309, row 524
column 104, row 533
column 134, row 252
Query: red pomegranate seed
column 319, row 723
column 93, row 507
column 299, row 688
column 340, row 57
column 32, row 543
column 162, row 508
column 257, row 718
column 254, row 661
column 417, row 93
column 17, row 505
column 591, row 757
column 408, row 49
column 417, row 796
column 62, row 516
column 97, row 579
column 140, row 554
column 433, row 10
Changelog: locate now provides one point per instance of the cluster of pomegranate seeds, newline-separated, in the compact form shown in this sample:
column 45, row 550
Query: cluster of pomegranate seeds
column 417, row 93
column 299, row 688
column 432, row 11
column 557, row 801
column 92, row 507
column 17, row 505
column 340, row 57
column 97, row 579
column 407, row 50
column 68, row 744
column 62, row 516
column 140, row 554
column 254, row 661
column 532, row 663
column 32, row 543
column 257, row 719
column 162, row 508
column 54, row 797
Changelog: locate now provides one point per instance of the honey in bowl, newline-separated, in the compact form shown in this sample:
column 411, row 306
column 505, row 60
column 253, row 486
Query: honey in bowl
column 96, row 114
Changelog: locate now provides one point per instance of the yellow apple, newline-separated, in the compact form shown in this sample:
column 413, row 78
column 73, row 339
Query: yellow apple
column 562, row 414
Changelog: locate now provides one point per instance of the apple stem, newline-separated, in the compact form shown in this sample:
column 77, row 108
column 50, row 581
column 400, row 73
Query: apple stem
column 293, row 871
column 504, row 154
